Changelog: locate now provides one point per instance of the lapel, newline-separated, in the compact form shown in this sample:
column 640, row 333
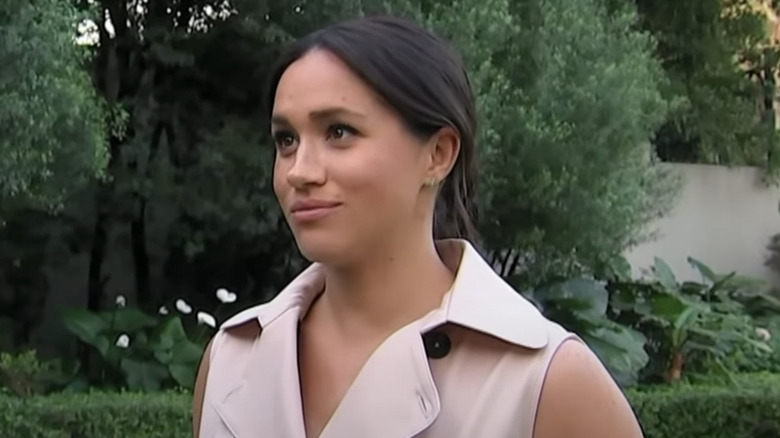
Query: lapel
column 265, row 400
column 394, row 394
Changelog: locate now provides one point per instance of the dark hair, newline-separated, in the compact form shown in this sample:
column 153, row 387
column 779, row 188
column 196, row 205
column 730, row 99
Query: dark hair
column 422, row 77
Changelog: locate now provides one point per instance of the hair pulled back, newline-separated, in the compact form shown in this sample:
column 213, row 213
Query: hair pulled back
column 424, row 80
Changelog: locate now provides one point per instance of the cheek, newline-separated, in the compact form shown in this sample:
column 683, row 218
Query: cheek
column 279, row 180
column 383, row 182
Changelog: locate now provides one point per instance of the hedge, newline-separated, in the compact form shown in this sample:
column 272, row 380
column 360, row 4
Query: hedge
column 96, row 415
column 749, row 410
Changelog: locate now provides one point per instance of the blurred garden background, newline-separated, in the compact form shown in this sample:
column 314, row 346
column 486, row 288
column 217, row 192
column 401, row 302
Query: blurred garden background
column 630, row 161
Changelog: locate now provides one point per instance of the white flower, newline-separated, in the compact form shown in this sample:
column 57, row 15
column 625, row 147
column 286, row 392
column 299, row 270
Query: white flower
column 121, row 301
column 123, row 341
column 764, row 334
column 183, row 307
column 206, row 319
column 225, row 296
column 163, row 310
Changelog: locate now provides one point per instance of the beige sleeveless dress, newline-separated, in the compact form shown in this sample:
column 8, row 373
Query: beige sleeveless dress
column 472, row 368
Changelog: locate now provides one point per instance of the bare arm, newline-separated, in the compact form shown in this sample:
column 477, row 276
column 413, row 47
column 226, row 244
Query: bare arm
column 581, row 400
column 200, row 390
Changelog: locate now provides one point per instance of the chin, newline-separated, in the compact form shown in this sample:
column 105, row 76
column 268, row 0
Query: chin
column 322, row 248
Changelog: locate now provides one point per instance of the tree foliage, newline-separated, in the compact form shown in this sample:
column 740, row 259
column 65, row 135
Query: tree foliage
column 570, row 95
column 51, row 121
column 722, row 70
column 568, row 92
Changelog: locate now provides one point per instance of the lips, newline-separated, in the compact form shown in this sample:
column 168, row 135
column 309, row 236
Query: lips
column 312, row 210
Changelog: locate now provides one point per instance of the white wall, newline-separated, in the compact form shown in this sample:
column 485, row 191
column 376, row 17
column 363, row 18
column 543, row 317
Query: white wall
column 724, row 217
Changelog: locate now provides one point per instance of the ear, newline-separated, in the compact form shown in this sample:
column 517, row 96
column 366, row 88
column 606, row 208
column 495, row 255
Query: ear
column 443, row 149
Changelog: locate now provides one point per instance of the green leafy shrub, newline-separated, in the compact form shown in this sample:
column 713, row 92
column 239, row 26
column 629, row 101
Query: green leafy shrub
column 24, row 374
column 93, row 415
column 749, row 410
column 662, row 330
column 748, row 360
column 135, row 350
column 581, row 305
column 693, row 329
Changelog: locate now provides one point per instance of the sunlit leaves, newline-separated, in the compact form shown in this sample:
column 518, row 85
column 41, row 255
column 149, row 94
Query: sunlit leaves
column 51, row 121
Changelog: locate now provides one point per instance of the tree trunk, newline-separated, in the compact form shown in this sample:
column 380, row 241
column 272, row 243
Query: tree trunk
column 675, row 370
column 143, row 286
column 505, row 262
column 108, row 81
column 141, row 258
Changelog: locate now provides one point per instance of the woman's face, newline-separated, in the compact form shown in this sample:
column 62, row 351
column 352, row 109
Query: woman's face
column 348, row 173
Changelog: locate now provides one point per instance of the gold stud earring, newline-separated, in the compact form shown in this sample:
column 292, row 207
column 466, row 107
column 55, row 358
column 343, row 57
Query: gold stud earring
column 431, row 182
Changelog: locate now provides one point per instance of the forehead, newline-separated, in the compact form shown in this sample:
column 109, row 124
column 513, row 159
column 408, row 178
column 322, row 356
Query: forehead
column 320, row 79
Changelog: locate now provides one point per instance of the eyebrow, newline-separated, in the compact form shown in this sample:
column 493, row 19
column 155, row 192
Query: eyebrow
column 320, row 114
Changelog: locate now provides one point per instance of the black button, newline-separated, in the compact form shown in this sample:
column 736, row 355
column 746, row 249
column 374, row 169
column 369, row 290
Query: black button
column 437, row 344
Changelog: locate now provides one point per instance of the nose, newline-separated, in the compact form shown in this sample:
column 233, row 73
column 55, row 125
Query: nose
column 307, row 168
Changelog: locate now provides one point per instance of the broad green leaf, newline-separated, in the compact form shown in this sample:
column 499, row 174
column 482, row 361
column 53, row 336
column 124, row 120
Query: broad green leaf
column 115, row 354
column 89, row 327
column 187, row 352
column 163, row 356
column 591, row 296
column 184, row 373
column 168, row 333
column 703, row 269
column 78, row 384
column 663, row 273
column 706, row 333
column 668, row 306
column 622, row 351
column 713, row 350
column 721, row 369
column 143, row 375
column 625, row 298
column 130, row 319
column 687, row 317
column 173, row 331
column 723, row 282
column 622, row 268
column 679, row 338
column 759, row 345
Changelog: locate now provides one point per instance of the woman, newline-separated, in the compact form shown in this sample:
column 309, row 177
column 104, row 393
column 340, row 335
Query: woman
column 399, row 328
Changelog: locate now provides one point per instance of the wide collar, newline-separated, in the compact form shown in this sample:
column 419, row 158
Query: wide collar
column 394, row 395
column 479, row 299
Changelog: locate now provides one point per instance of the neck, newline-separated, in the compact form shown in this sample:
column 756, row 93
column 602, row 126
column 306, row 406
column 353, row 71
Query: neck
column 395, row 286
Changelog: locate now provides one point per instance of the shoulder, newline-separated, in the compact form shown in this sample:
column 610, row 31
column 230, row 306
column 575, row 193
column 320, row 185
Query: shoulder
column 578, row 387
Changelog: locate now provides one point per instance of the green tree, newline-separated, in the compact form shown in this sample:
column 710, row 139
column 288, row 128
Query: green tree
column 570, row 96
column 51, row 120
column 717, row 58
column 568, row 93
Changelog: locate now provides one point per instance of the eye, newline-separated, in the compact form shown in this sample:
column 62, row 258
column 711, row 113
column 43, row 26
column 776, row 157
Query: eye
column 283, row 139
column 340, row 131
